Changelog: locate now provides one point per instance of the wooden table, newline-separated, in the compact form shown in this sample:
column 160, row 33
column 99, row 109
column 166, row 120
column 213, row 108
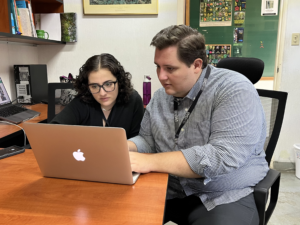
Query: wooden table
column 28, row 198
column 10, row 133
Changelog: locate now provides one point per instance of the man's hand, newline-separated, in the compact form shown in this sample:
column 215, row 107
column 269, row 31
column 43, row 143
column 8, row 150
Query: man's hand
column 140, row 162
column 165, row 162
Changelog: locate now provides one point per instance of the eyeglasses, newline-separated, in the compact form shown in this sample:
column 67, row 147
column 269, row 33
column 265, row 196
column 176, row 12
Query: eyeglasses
column 107, row 87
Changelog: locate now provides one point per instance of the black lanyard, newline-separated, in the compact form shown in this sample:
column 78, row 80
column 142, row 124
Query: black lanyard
column 103, row 117
column 106, row 122
column 188, row 113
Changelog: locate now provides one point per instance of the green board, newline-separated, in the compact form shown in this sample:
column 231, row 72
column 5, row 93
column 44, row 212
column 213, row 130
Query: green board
column 260, row 33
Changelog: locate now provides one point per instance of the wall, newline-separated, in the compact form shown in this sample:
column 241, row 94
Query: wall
column 13, row 54
column 289, row 81
column 126, row 37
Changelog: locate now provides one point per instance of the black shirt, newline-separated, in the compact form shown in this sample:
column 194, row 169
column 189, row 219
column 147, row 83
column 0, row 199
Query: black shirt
column 128, row 116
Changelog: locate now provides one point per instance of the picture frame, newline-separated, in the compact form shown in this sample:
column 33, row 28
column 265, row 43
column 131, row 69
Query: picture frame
column 120, row 7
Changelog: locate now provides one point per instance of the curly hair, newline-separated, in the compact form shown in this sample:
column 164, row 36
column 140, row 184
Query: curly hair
column 94, row 64
column 190, row 43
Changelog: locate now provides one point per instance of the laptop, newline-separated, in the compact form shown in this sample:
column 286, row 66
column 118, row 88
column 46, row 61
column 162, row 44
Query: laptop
column 81, row 152
column 11, row 112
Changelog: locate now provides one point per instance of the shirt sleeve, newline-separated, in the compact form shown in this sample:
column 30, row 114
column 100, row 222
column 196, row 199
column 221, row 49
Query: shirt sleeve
column 138, row 112
column 70, row 115
column 144, row 141
column 236, row 128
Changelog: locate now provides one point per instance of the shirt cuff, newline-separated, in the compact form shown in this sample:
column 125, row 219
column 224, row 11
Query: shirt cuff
column 141, row 144
column 198, row 161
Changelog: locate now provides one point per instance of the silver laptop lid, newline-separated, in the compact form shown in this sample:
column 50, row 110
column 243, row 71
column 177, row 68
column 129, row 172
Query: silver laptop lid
column 81, row 152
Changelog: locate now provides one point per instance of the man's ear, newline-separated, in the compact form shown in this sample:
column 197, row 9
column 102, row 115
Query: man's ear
column 198, row 65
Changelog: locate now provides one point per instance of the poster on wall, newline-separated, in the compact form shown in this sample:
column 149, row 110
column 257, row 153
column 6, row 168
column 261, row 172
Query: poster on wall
column 239, row 30
column 240, row 5
column 239, row 19
column 238, row 36
column 217, row 52
column 120, row 7
column 215, row 13
column 269, row 7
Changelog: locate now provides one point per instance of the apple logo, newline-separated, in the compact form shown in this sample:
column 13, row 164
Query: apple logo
column 78, row 155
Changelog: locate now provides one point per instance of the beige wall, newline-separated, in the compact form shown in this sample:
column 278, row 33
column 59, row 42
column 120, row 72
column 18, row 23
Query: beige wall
column 289, row 81
column 13, row 54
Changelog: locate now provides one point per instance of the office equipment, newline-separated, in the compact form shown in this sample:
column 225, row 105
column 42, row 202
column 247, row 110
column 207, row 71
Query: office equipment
column 13, row 113
column 273, row 103
column 31, row 83
column 26, row 196
column 12, row 135
column 81, row 152
column 10, row 151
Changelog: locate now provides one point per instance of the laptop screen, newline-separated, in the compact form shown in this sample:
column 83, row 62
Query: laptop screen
column 4, row 98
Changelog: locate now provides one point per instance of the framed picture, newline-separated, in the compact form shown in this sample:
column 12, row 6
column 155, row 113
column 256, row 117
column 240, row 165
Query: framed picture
column 121, row 7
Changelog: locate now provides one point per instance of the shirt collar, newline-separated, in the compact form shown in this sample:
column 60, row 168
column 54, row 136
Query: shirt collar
column 197, row 86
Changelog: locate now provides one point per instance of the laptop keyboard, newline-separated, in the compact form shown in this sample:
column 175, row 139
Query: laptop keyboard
column 11, row 110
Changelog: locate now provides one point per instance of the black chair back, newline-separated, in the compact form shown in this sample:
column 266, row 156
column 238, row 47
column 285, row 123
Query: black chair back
column 273, row 103
column 53, row 105
column 252, row 68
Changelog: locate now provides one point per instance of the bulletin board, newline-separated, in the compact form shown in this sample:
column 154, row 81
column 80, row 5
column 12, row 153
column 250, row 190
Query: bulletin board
column 255, row 36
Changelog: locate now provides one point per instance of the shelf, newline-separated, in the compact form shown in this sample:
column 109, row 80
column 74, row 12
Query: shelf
column 28, row 40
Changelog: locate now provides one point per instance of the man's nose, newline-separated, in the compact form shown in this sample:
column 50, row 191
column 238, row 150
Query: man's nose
column 162, row 75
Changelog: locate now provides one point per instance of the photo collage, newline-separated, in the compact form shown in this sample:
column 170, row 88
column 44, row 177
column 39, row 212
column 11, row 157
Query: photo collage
column 217, row 52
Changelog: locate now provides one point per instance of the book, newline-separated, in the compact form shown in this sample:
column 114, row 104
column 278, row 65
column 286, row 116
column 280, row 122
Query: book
column 13, row 30
column 25, row 22
column 31, row 20
column 21, row 3
column 15, row 19
column 18, row 18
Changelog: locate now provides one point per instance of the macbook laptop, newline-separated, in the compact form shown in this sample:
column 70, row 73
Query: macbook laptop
column 13, row 113
column 81, row 152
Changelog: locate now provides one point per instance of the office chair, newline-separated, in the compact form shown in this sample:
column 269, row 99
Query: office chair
column 53, row 101
column 273, row 103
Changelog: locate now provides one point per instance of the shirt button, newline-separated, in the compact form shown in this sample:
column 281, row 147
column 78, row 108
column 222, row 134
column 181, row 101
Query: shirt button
column 182, row 129
column 186, row 109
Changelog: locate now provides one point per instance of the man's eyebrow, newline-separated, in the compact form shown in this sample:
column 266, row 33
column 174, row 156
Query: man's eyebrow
column 166, row 65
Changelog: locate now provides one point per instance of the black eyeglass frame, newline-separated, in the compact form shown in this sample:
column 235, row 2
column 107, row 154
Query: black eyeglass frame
column 102, row 86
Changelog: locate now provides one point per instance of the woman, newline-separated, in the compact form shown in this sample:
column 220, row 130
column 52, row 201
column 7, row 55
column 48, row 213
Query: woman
column 105, row 97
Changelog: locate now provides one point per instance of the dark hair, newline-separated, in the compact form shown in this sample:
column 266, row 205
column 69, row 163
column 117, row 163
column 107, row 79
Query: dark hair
column 103, row 61
column 190, row 43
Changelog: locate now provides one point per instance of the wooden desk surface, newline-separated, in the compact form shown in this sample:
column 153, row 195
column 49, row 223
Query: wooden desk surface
column 7, row 129
column 28, row 198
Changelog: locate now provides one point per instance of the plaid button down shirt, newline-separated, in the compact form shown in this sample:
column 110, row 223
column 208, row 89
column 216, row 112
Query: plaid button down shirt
column 222, row 140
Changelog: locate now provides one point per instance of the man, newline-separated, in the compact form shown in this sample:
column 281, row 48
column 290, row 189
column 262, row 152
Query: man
column 212, row 149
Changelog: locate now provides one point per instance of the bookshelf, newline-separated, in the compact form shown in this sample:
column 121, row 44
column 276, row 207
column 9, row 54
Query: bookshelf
column 38, row 6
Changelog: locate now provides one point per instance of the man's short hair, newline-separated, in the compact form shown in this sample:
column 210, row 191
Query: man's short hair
column 190, row 43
